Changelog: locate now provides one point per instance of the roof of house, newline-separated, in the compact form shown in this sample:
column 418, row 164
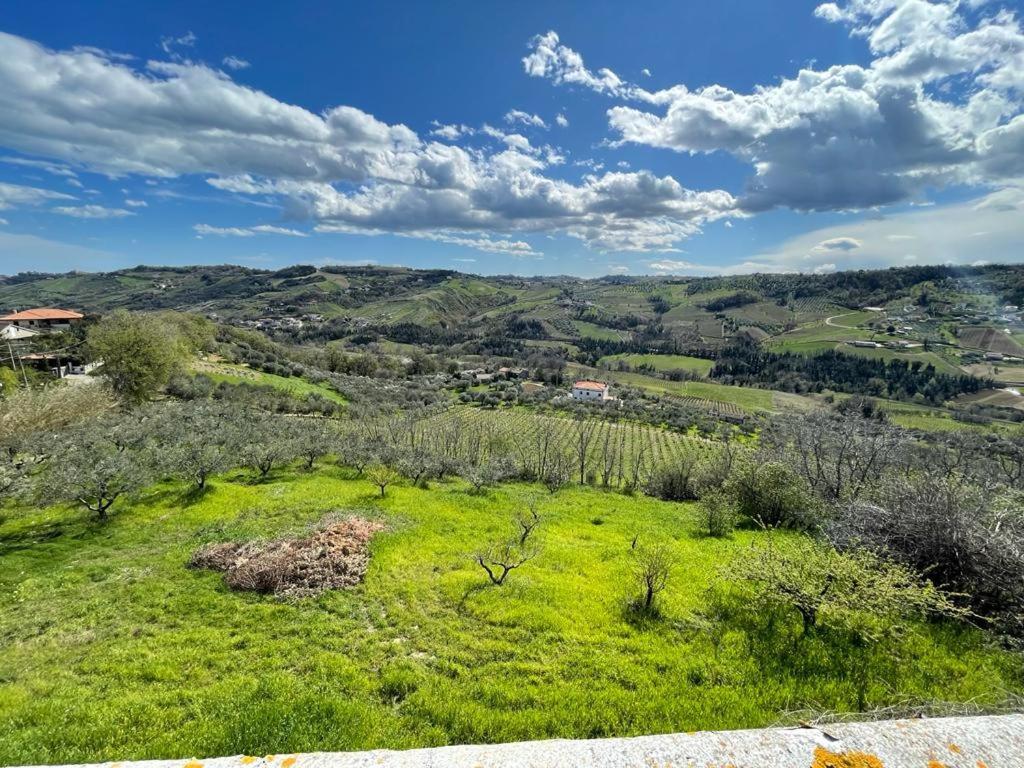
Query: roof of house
column 586, row 384
column 43, row 313
column 14, row 332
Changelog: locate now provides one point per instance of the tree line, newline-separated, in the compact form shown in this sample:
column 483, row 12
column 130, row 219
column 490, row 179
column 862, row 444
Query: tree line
column 747, row 364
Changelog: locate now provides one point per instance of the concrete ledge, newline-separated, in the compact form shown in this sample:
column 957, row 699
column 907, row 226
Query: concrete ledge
column 954, row 742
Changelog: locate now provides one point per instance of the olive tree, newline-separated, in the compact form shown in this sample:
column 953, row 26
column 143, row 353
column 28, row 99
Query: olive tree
column 199, row 440
column 138, row 352
column 93, row 471
column 314, row 438
column 265, row 441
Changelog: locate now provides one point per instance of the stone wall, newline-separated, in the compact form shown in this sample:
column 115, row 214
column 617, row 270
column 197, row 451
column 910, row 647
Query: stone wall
column 955, row 742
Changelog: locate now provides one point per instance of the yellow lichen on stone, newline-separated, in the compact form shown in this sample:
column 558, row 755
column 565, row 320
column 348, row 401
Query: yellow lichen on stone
column 193, row 764
column 824, row 758
column 288, row 762
column 248, row 760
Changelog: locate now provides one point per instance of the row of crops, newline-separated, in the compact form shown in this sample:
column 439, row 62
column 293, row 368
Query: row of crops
column 600, row 451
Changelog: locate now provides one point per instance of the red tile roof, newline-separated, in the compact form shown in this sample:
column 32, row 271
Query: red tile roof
column 586, row 384
column 43, row 313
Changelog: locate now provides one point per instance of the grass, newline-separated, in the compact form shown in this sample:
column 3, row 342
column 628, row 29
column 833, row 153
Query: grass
column 294, row 385
column 661, row 362
column 593, row 331
column 111, row 649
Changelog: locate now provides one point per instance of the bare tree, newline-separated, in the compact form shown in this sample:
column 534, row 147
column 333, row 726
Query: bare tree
column 528, row 520
column 609, row 456
column 498, row 562
column 838, row 456
column 965, row 537
column 557, row 472
column 584, row 434
column 637, row 466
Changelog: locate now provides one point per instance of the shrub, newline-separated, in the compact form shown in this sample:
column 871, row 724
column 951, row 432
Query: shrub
column 964, row 537
column 717, row 514
column 774, row 496
column 673, row 482
column 652, row 567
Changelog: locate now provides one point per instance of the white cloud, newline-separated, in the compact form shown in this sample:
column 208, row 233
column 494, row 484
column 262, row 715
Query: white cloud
column 57, row 169
column 485, row 243
column 645, row 72
column 340, row 168
column 846, row 137
column 234, row 62
column 15, row 195
column 935, row 235
column 562, row 120
column 549, row 58
column 136, row 203
column 824, row 269
column 514, row 116
column 838, row 244
column 92, row 212
column 450, row 132
column 259, row 229
column 671, row 265
column 4, row 222
column 168, row 44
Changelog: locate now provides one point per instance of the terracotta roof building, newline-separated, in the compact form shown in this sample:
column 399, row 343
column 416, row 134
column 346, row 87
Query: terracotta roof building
column 43, row 319
column 589, row 390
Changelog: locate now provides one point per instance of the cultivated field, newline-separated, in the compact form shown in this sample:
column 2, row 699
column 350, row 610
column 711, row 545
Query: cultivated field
column 615, row 451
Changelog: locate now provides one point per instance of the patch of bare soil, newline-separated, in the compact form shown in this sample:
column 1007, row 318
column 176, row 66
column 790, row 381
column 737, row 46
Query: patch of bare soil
column 333, row 557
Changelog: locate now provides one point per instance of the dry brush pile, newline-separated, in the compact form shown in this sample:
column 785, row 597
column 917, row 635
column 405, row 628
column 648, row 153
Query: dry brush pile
column 333, row 557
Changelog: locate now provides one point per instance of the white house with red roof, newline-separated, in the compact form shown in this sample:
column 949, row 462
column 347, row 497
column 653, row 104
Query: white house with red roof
column 42, row 319
column 590, row 391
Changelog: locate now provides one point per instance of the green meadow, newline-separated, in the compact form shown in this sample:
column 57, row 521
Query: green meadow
column 112, row 649
column 294, row 385
column 661, row 362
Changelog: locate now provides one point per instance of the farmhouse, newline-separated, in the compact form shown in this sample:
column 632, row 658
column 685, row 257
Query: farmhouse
column 42, row 319
column 590, row 390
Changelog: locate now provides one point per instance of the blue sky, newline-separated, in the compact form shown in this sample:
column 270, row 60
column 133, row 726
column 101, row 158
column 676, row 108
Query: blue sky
column 529, row 138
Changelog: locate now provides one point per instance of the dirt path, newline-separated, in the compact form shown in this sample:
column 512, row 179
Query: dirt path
column 828, row 321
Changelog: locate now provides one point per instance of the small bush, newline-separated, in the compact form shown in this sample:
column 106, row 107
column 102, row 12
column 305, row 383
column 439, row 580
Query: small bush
column 774, row 496
column 672, row 482
column 717, row 514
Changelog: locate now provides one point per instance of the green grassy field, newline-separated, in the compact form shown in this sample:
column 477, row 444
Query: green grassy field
column 592, row 331
column 240, row 374
column 661, row 362
column 111, row 649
